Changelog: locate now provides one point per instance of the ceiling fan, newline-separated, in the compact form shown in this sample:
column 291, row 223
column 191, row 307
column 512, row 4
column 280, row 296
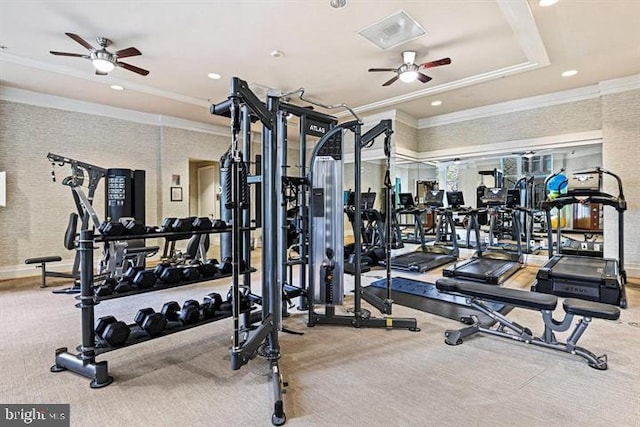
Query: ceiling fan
column 103, row 60
column 408, row 71
column 531, row 153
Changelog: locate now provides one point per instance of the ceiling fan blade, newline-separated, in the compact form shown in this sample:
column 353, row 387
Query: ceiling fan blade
column 100, row 73
column 133, row 68
column 393, row 79
column 80, row 40
column 75, row 55
column 443, row 61
column 381, row 69
column 423, row 77
column 125, row 53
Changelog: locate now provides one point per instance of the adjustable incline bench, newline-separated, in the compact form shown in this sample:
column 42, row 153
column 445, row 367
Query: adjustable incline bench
column 477, row 293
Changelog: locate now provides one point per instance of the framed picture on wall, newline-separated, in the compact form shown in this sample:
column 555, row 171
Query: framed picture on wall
column 176, row 194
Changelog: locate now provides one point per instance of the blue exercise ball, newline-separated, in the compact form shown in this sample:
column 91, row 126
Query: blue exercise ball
column 557, row 185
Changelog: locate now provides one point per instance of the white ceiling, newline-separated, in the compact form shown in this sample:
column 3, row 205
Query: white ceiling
column 500, row 50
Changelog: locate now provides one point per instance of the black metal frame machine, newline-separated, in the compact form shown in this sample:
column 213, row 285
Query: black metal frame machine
column 593, row 279
column 326, row 281
column 493, row 265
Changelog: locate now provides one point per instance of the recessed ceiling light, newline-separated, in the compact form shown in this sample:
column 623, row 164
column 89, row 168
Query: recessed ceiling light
column 547, row 3
column 569, row 73
column 436, row 103
column 337, row 4
column 116, row 87
column 214, row 76
column 277, row 54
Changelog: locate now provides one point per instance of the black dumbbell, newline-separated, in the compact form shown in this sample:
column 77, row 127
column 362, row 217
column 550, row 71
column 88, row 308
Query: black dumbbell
column 190, row 273
column 202, row 223
column 183, row 224
column 209, row 268
column 108, row 228
column 133, row 227
column 167, row 273
column 227, row 267
column 125, row 283
column 107, row 287
column 166, row 224
column 228, row 304
column 151, row 322
column 210, row 305
column 144, row 279
column 114, row 332
column 188, row 315
column 219, row 224
column 190, row 312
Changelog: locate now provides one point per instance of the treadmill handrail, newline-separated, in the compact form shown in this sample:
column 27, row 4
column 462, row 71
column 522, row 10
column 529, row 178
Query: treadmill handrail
column 591, row 196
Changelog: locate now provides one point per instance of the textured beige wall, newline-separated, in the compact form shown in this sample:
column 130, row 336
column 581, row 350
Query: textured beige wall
column 548, row 121
column 405, row 136
column 621, row 155
column 37, row 211
column 177, row 146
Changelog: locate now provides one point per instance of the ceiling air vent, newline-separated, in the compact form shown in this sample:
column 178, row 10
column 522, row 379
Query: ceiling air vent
column 393, row 31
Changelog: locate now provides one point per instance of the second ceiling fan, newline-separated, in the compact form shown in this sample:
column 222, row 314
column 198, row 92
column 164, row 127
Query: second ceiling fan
column 409, row 70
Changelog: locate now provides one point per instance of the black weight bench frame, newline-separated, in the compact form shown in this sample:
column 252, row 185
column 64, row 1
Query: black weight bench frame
column 43, row 266
column 477, row 293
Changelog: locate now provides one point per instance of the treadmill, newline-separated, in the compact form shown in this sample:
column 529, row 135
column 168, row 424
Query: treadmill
column 593, row 279
column 455, row 200
column 428, row 257
column 492, row 265
column 407, row 206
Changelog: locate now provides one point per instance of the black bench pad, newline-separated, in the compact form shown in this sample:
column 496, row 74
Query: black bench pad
column 591, row 309
column 515, row 297
column 42, row 259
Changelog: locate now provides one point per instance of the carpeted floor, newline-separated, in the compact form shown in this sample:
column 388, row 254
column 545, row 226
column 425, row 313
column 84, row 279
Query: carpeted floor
column 338, row 376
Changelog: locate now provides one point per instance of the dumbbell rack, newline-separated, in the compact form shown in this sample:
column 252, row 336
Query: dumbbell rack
column 84, row 363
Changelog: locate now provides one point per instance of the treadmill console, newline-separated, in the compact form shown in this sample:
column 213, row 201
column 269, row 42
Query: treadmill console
column 495, row 196
column 406, row 200
column 584, row 181
column 455, row 199
column 513, row 198
column 434, row 198
column 367, row 200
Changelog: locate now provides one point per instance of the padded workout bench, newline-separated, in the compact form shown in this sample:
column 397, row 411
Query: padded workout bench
column 477, row 293
column 43, row 265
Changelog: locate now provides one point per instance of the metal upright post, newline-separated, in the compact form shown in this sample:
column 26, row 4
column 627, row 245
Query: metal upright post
column 303, row 214
column 357, row 283
column 246, row 213
column 85, row 363
column 270, row 294
column 281, row 216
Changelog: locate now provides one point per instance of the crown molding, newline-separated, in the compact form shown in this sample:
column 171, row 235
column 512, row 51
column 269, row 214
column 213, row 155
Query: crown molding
column 22, row 96
column 541, row 143
column 622, row 84
column 605, row 87
column 533, row 102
